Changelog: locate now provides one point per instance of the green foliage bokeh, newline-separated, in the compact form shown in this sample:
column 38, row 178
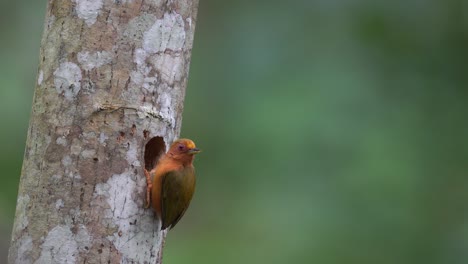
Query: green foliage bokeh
column 332, row 131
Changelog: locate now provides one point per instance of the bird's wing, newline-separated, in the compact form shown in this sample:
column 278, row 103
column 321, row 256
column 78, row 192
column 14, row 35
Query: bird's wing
column 175, row 197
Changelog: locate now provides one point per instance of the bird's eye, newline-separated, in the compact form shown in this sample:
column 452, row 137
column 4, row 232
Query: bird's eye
column 181, row 147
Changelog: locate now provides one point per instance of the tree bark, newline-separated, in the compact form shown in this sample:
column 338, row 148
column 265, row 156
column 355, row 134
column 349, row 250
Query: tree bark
column 109, row 98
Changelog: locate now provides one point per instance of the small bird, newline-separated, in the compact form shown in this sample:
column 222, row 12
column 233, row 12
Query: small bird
column 171, row 183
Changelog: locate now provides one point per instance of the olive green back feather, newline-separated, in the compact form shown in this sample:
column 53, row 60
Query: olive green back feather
column 177, row 192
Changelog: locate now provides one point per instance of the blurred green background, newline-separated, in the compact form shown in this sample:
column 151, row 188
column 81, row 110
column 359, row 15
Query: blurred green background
column 333, row 131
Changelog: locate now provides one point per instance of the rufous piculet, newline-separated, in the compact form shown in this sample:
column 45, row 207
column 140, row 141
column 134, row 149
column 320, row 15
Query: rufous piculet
column 171, row 183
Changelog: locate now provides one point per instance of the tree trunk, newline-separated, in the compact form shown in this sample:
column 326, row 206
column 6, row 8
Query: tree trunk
column 108, row 100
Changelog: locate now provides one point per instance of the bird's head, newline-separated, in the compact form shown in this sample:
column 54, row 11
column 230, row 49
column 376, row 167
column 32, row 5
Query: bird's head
column 183, row 149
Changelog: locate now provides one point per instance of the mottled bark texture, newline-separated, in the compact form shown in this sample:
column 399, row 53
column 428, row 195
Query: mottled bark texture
column 111, row 78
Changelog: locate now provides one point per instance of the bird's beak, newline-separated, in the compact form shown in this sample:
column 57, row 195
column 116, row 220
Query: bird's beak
column 194, row 151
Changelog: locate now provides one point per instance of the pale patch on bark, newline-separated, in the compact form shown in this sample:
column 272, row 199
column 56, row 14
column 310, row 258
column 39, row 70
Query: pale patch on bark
column 103, row 138
column 132, row 154
column 156, row 2
column 22, row 219
column 56, row 177
column 66, row 161
column 167, row 108
column 167, row 33
column 67, row 80
column 59, row 204
column 70, row 171
column 119, row 192
column 50, row 21
column 162, row 47
column 88, row 10
column 74, row 176
column 75, row 148
column 73, row 213
column 140, row 57
column 61, row 141
column 143, row 79
column 91, row 60
column 24, row 250
column 88, row 154
column 40, row 78
column 169, row 67
column 62, row 246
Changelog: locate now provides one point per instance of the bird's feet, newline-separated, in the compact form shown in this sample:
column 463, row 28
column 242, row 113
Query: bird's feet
column 149, row 186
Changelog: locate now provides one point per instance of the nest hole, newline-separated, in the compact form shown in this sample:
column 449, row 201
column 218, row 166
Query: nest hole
column 153, row 151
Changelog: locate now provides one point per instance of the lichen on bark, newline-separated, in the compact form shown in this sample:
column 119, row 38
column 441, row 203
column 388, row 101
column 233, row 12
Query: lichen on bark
column 112, row 75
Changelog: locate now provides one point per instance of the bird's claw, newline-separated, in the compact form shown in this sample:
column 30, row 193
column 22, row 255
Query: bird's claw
column 148, row 189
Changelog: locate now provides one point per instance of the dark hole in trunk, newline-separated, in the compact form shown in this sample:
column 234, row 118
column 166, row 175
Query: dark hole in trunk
column 153, row 151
